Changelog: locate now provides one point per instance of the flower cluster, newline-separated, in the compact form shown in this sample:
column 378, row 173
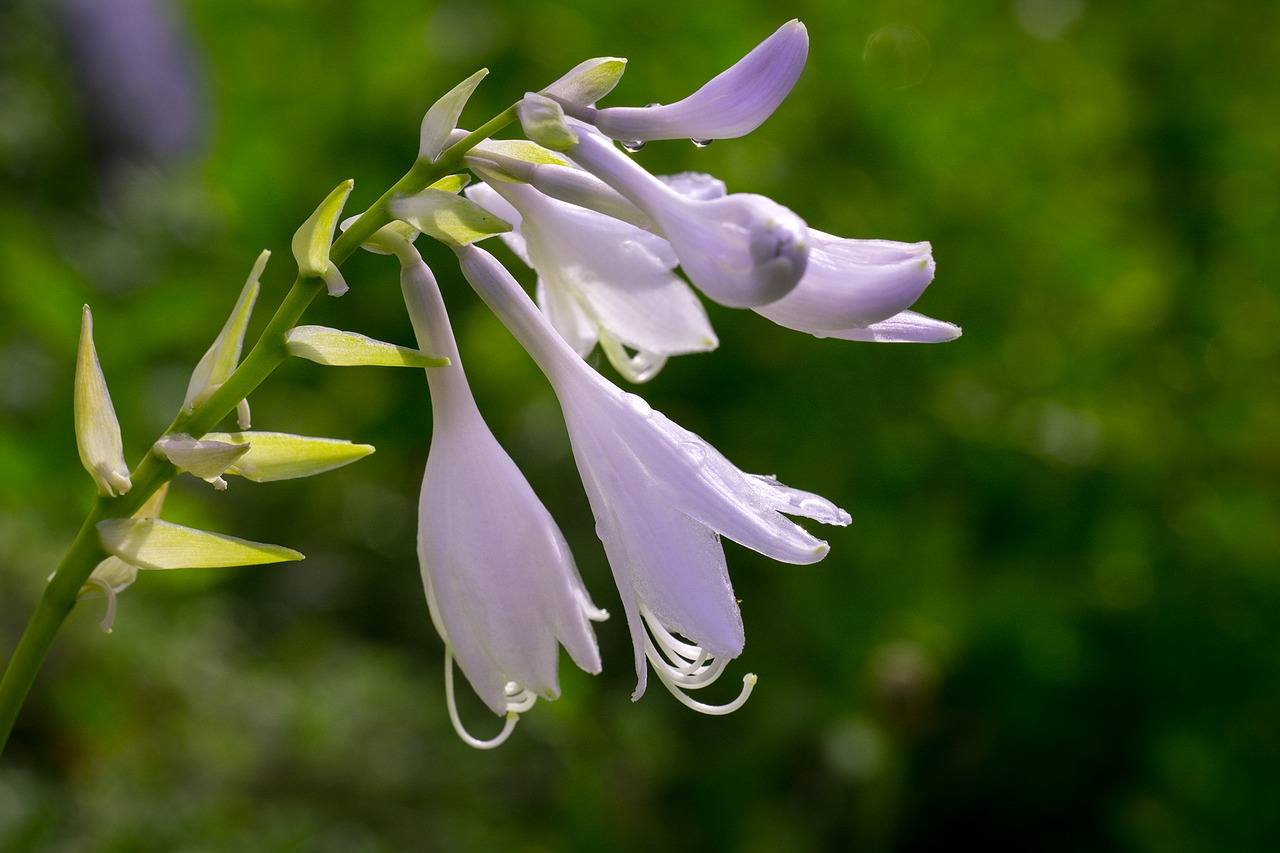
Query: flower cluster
column 605, row 239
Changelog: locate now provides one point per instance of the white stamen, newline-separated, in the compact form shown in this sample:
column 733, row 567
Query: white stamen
column 108, row 618
column 513, row 714
column 243, row 419
column 683, row 666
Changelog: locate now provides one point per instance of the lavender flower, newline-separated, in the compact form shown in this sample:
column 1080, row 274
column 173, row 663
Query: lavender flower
column 500, row 581
column 602, row 280
column 662, row 497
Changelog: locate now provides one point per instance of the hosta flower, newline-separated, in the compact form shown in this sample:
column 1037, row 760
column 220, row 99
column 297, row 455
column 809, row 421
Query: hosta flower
column 500, row 581
column 860, row 290
column 856, row 290
column 602, row 280
column 741, row 250
column 732, row 104
column 662, row 497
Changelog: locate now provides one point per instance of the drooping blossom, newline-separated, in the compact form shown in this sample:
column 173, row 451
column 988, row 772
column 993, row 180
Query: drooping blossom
column 852, row 289
column 500, row 581
column 662, row 497
column 741, row 250
column 602, row 280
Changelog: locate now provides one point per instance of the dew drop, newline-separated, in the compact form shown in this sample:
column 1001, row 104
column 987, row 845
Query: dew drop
column 696, row 452
column 638, row 405
column 701, row 143
column 632, row 145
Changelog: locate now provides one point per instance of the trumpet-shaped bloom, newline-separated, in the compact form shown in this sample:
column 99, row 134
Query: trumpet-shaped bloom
column 602, row 280
column 500, row 581
column 860, row 290
column 857, row 290
column 732, row 104
column 662, row 497
column 741, row 250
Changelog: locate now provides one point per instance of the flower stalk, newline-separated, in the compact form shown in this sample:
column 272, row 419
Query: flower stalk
column 86, row 550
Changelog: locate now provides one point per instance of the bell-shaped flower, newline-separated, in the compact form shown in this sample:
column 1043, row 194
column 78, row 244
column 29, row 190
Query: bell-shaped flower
column 857, row 290
column 732, row 104
column 97, row 428
column 662, row 497
column 860, row 290
column 741, row 250
column 602, row 280
column 500, row 581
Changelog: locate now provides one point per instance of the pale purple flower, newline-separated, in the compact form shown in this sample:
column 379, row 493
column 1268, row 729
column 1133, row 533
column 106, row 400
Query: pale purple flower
column 860, row 290
column 500, row 580
column 857, row 290
column 602, row 280
column 732, row 104
column 662, row 497
column 741, row 250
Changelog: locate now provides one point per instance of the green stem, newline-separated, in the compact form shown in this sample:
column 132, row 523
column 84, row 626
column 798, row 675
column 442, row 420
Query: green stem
column 86, row 550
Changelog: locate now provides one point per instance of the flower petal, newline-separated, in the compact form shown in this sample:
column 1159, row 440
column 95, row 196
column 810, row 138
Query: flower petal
column 740, row 250
column 499, row 576
column 731, row 104
column 907, row 327
column 850, row 284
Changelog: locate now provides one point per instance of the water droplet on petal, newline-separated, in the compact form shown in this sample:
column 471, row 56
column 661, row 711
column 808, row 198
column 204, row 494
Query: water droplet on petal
column 701, row 143
column 638, row 405
column 654, row 104
column 632, row 145
column 696, row 452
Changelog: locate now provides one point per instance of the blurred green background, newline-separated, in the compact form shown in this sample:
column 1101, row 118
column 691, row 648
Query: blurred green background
column 1051, row 626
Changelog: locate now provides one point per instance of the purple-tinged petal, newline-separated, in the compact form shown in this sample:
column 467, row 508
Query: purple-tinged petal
column 850, row 284
column 732, row 104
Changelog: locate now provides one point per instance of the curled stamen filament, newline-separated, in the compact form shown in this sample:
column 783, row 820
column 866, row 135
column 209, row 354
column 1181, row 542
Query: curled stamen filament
column 691, row 657
column 518, row 701
column 694, row 671
column 108, row 618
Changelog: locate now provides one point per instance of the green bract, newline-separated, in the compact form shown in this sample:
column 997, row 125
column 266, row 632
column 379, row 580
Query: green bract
column 348, row 349
column 442, row 118
column 280, row 456
column 223, row 356
column 589, row 81
column 150, row 543
column 544, row 122
column 97, row 429
column 447, row 217
column 311, row 242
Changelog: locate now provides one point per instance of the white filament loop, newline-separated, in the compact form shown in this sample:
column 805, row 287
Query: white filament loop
column 519, row 700
column 108, row 618
column 682, row 666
